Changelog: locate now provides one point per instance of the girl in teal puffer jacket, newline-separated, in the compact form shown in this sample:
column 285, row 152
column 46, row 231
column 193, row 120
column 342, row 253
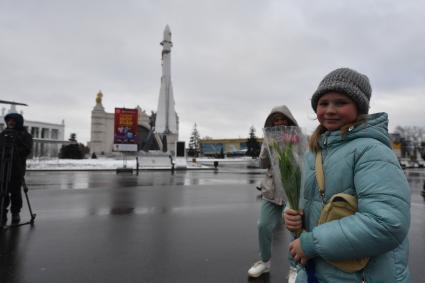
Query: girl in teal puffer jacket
column 357, row 160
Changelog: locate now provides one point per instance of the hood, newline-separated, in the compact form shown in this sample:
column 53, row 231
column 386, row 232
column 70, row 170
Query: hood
column 18, row 118
column 282, row 109
column 376, row 127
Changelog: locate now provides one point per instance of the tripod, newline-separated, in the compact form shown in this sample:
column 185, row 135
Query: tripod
column 6, row 164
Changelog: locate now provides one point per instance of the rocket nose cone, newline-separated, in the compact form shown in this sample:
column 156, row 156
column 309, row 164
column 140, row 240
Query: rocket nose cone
column 167, row 33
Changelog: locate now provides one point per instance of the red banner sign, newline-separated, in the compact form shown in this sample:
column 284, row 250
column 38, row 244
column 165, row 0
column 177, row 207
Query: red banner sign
column 125, row 128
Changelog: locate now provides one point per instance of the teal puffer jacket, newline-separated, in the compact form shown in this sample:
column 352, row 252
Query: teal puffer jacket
column 361, row 164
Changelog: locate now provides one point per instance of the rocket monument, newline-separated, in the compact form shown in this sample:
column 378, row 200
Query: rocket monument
column 166, row 123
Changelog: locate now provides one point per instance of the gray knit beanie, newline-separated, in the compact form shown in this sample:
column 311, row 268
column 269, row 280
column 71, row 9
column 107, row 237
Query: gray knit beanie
column 346, row 81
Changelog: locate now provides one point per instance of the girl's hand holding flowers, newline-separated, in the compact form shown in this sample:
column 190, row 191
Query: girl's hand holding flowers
column 293, row 219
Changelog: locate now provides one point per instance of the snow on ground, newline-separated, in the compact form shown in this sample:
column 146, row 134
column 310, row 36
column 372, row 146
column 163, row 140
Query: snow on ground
column 77, row 164
column 112, row 163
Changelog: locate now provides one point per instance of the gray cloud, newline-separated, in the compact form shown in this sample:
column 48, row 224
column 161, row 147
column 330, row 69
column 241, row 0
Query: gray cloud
column 231, row 61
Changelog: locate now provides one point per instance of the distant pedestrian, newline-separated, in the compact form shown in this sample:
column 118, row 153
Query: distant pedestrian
column 357, row 160
column 273, row 200
column 15, row 147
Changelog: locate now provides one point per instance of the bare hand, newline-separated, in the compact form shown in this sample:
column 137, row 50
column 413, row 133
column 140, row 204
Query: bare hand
column 293, row 219
column 297, row 252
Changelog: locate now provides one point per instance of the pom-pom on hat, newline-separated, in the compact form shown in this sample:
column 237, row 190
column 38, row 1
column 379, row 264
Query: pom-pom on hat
column 345, row 81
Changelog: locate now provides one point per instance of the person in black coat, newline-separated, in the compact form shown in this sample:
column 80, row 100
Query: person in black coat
column 14, row 139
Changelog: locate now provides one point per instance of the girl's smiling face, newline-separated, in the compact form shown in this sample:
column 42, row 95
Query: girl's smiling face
column 335, row 110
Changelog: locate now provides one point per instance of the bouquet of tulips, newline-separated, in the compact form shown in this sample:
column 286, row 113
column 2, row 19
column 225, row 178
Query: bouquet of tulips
column 287, row 146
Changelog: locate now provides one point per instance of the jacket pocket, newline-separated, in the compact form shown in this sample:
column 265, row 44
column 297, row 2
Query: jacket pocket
column 268, row 187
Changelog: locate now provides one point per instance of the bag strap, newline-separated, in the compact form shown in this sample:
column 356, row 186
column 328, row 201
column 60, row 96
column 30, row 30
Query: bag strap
column 320, row 177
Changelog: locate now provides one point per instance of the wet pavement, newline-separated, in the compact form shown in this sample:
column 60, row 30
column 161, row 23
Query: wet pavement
column 190, row 226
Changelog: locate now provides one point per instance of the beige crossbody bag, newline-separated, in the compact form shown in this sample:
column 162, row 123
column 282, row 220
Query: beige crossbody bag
column 339, row 206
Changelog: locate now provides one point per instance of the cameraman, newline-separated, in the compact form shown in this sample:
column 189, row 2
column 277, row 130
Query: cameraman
column 15, row 137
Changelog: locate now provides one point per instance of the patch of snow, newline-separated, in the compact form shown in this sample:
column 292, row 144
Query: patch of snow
column 77, row 164
column 105, row 164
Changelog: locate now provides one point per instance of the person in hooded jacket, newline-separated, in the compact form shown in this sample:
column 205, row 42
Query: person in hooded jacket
column 272, row 198
column 14, row 138
column 357, row 159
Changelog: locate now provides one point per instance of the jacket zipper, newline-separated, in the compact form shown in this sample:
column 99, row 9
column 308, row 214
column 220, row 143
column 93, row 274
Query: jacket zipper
column 324, row 154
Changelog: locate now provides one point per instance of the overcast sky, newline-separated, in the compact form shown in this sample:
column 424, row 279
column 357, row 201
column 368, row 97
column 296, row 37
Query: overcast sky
column 232, row 61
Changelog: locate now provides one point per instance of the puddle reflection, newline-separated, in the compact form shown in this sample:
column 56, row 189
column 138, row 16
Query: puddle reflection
column 11, row 254
column 122, row 210
column 82, row 180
